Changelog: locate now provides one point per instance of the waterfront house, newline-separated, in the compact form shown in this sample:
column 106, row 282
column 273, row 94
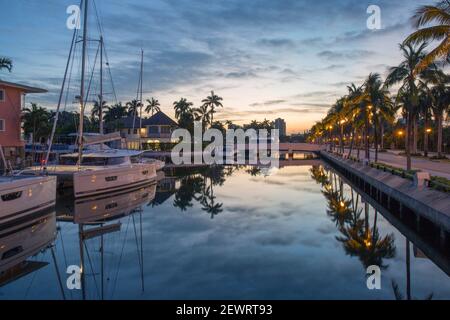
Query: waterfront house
column 156, row 129
column 12, row 101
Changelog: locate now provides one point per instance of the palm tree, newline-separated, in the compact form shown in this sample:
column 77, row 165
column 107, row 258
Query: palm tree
column 212, row 102
column 230, row 124
column 359, row 105
column 95, row 112
column 114, row 114
column 182, row 107
column 202, row 114
column 425, row 107
column 441, row 104
column 6, row 63
column 153, row 106
column 354, row 105
column 337, row 116
column 133, row 107
column 36, row 122
column 409, row 92
column 439, row 14
column 380, row 104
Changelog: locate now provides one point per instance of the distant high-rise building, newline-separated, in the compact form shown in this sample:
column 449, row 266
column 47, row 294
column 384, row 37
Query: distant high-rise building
column 280, row 124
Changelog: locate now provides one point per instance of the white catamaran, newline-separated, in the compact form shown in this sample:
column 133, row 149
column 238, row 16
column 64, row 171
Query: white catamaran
column 95, row 168
column 23, row 195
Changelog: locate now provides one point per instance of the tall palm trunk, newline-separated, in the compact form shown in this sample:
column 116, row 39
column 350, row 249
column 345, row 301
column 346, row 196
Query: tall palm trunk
column 408, row 141
column 439, row 118
column 382, row 135
column 375, row 127
column 341, row 138
column 415, row 134
column 366, row 137
column 359, row 148
column 425, row 135
column 351, row 144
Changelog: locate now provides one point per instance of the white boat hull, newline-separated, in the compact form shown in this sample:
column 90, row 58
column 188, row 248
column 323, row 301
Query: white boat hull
column 103, row 180
column 23, row 196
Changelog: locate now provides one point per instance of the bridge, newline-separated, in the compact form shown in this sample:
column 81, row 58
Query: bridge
column 301, row 147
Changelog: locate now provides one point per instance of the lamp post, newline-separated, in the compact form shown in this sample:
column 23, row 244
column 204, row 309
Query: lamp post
column 342, row 122
column 400, row 135
column 330, row 128
column 428, row 131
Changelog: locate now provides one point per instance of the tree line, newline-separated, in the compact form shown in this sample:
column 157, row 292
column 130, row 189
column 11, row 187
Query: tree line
column 414, row 94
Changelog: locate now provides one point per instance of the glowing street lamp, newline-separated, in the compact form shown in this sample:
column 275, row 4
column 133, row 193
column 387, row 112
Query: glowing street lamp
column 429, row 130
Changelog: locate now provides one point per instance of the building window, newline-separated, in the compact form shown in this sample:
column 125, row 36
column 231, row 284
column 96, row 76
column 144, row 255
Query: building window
column 153, row 129
column 2, row 125
column 165, row 129
column 2, row 95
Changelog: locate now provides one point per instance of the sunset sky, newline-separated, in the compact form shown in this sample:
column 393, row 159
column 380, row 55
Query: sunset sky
column 266, row 58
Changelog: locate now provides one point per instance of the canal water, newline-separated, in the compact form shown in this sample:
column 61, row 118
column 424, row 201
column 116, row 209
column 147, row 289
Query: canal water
column 299, row 232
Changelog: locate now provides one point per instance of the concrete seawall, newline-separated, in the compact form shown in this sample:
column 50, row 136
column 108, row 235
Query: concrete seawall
column 396, row 191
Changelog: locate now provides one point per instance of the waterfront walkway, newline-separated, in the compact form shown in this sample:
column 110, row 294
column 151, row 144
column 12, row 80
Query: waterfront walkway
column 387, row 188
column 440, row 168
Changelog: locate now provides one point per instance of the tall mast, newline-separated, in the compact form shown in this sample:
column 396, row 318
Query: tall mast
column 100, row 115
column 83, row 71
column 141, row 104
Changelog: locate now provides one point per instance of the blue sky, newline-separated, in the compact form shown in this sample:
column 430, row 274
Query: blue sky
column 266, row 58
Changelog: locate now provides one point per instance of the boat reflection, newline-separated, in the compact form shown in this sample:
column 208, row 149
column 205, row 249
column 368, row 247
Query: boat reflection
column 98, row 217
column 100, row 209
column 23, row 239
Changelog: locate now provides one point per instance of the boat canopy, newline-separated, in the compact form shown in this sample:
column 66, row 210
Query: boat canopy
column 109, row 153
column 101, row 138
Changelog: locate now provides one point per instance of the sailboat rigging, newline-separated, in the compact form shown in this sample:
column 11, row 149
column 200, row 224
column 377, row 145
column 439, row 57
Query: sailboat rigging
column 96, row 168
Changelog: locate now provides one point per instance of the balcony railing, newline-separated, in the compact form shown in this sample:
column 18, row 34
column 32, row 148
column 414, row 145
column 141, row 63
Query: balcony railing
column 159, row 135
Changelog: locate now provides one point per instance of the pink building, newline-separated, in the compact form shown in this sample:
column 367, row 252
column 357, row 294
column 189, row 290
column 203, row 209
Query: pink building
column 12, row 101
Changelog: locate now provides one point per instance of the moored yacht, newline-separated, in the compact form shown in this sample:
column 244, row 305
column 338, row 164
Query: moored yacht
column 102, row 169
column 23, row 195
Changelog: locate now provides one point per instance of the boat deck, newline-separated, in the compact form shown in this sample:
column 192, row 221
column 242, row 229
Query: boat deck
column 6, row 179
column 65, row 169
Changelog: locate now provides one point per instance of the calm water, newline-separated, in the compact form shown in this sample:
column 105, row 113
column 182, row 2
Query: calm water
column 228, row 233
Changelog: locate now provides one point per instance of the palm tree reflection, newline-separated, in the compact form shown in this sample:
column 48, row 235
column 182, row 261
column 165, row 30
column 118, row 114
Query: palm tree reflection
column 200, row 188
column 357, row 238
column 190, row 189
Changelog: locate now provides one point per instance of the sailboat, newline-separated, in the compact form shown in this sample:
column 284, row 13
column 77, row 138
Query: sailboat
column 96, row 169
column 23, row 195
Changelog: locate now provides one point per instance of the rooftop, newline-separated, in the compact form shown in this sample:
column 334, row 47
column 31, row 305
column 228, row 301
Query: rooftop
column 158, row 119
column 22, row 87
